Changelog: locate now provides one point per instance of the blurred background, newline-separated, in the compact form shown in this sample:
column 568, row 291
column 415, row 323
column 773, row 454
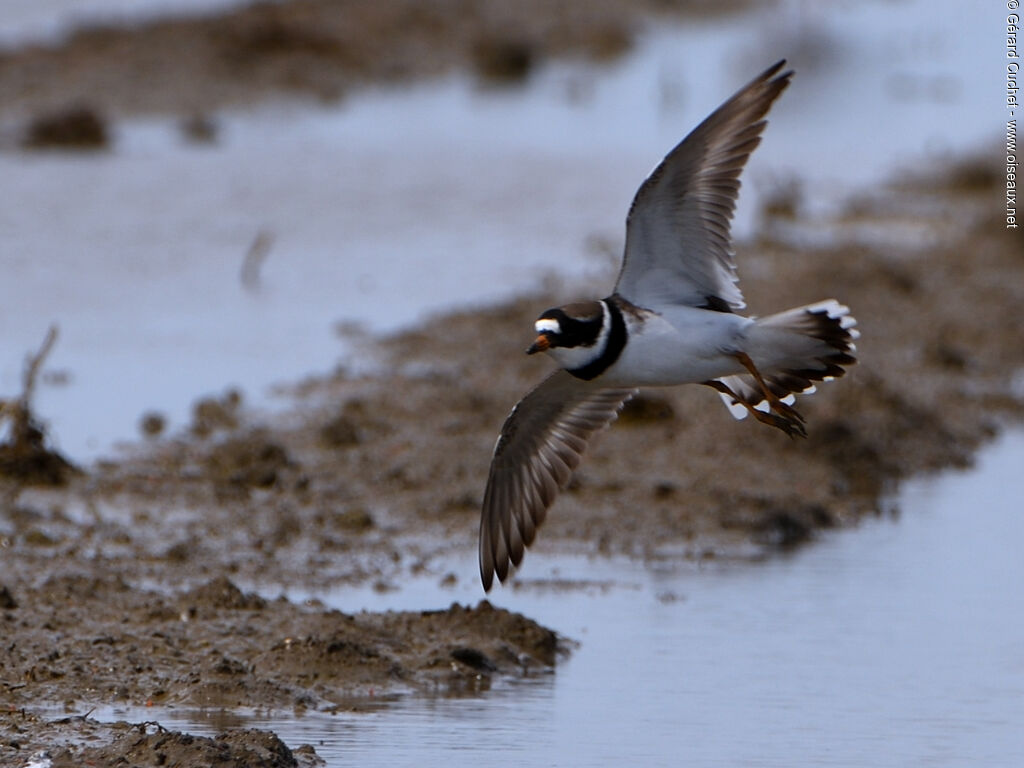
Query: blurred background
column 206, row 194
column 212, row 200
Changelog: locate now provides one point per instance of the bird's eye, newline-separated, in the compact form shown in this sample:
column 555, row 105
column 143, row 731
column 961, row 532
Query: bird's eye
column 547, row 325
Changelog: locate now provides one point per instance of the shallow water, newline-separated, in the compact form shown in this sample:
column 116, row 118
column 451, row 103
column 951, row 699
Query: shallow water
column 899, row 643
column 399, row 202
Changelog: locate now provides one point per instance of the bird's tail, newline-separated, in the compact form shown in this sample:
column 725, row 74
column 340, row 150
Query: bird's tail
column 792, row 350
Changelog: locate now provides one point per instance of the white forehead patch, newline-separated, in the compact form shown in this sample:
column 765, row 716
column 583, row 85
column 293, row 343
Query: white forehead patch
column 547, row 324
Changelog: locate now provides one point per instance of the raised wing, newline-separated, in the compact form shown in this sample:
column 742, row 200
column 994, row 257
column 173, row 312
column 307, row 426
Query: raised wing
column 540, row 445
column 678, row 246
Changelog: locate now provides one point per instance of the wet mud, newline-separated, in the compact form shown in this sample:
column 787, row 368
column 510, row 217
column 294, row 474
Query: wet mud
column 319, row 49
column 155, row 578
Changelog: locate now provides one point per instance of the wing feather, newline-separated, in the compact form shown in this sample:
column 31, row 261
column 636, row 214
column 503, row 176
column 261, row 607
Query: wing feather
column 678, row 241
column 540, row 445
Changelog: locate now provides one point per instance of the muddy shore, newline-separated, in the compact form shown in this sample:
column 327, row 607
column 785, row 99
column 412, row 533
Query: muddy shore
column 121, row 584
column 320, row 49
column 154, row 579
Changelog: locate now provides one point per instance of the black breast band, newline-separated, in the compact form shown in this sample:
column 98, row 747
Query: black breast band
column 612, row 349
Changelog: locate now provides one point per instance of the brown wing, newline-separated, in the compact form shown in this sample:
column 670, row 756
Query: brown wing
column 540, row 445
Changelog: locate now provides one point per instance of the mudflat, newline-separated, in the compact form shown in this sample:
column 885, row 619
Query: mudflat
column 155, row 579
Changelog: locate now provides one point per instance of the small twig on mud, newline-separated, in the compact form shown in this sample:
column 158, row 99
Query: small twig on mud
column 25, row 457
column 19, row 411
column 80, row 718
column 33, row 364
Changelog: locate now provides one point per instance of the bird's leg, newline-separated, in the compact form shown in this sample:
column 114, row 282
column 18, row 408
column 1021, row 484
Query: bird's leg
column 790, row 426
column 785, row 411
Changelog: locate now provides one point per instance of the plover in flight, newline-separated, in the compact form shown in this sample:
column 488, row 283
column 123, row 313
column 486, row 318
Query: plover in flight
column 671, row 319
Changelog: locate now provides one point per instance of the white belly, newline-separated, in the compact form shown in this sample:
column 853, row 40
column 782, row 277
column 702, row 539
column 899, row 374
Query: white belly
column 684, row 346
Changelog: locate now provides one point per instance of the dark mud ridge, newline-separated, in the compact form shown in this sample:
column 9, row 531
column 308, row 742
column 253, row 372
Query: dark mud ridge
column 77, row 640
column 318, row 49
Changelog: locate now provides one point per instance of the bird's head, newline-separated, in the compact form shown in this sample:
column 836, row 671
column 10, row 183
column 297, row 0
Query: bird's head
column 571, row 333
